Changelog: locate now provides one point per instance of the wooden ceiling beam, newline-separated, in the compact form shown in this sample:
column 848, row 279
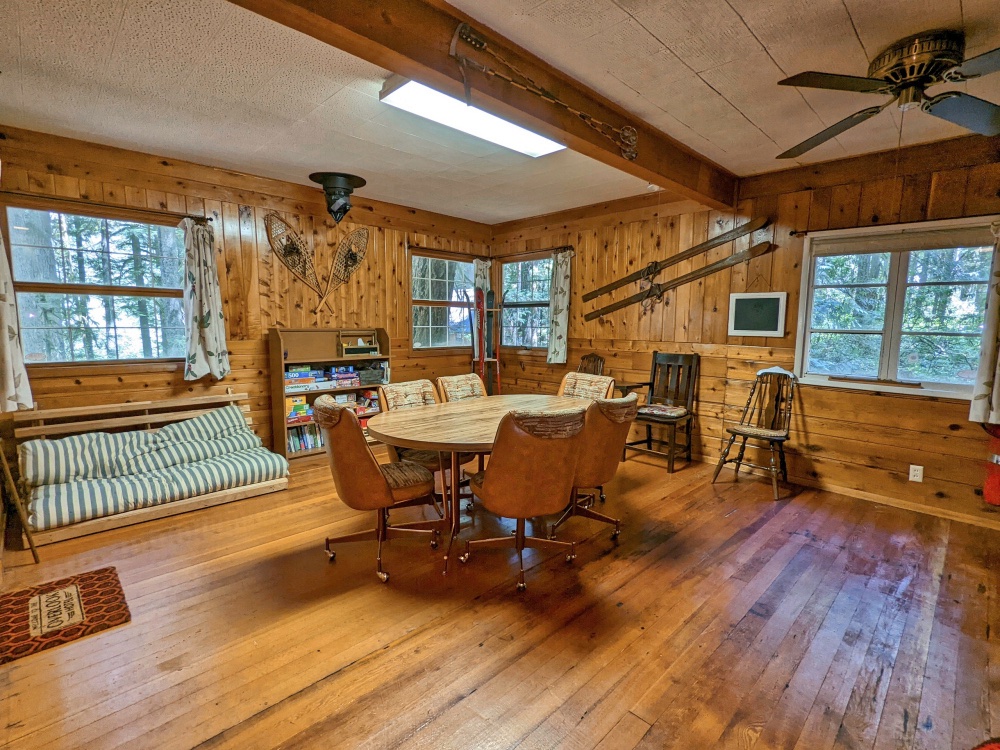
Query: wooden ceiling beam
column 412, row 38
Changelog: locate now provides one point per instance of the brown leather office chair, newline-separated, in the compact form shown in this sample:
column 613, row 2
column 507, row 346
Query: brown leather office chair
column 393, row 396
column 364, row 484
column 605, row 431
column 461, row 387
column 583, row 385
column 530, row 474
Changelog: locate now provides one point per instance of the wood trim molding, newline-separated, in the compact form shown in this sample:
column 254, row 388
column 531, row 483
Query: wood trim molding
column 620, row 211
column 48, row 156
column 965, row 151
column 412, row 38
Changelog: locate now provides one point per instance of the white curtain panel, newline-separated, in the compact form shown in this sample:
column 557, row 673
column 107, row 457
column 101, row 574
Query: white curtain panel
column 206, row 325
column 559, row 307
column 985, row 406
column 13, row 376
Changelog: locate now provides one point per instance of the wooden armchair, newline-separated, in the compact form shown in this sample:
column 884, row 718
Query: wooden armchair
column 669, row 404
column 592, row 364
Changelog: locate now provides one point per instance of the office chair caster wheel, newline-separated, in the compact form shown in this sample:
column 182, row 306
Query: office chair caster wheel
column 464, row 557
column 603, row 497
column 522, row 587
column 434, row 543
column 332, row 555
column 384, row 577
column 570, row 559
column 615, row 534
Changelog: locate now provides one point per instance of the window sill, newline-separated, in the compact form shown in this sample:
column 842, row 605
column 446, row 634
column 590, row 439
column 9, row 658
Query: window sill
column 440, row 350
column 930, row 390
column 524, row 349
column 105, row 368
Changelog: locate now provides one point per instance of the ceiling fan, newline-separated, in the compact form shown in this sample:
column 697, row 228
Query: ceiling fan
column 904, row 71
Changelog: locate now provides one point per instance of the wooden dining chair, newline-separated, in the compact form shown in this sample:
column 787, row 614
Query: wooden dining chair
column 530, row 474
column 669, row 404
column 584, row 385
column 592, row 364
column 460, row 387
column 364, row 484
column 766, row 418
column 606, row 428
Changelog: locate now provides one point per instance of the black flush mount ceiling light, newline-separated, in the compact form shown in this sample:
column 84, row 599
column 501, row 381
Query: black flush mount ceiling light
column 338, row 187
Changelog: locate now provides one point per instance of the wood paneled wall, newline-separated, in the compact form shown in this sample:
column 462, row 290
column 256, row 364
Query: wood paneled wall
column 858, row 442
column 258, row 291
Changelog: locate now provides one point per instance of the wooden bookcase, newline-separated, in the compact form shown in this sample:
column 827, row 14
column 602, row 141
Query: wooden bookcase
column 320, row 349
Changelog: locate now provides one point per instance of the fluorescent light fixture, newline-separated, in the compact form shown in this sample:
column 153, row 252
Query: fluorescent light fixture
column 424, row 101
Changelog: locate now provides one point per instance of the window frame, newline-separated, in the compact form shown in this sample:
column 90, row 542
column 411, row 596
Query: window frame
column 896, row 286
column 504, row 304
column 423, row 252
column 97, row 211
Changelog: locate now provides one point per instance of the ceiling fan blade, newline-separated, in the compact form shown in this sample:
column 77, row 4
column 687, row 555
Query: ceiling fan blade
column 972, row 113
column 832, row 132
column 980, row 65
column 813, row 80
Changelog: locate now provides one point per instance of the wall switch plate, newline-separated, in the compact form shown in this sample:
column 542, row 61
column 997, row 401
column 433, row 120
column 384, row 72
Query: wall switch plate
column 916, row 473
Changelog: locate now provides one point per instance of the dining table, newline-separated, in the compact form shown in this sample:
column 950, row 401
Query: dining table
column 457, row 427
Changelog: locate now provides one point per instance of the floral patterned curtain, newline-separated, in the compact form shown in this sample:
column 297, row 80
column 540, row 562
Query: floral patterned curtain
column 985, row 406
column 206, row 349
column 481, row 273
column 16, row 393
column 559, row 308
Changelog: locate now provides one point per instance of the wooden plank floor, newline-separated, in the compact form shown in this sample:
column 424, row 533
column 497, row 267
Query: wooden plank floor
column 722, row 620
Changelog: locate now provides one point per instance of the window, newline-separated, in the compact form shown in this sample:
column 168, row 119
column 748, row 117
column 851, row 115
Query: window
column 903, row 309
column 93, row 289
column 442, row 294
column 525, row 322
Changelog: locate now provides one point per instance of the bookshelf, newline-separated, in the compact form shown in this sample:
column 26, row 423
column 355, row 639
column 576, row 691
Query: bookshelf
column 346, row 363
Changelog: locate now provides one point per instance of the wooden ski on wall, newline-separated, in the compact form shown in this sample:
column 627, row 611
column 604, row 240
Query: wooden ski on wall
column 649, row 271
column 656, row 291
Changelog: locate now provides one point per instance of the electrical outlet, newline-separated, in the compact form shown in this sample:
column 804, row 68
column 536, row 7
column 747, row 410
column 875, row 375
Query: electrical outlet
column 916, row 473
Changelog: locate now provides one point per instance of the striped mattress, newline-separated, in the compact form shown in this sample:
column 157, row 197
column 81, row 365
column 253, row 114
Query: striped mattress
column 83, row 477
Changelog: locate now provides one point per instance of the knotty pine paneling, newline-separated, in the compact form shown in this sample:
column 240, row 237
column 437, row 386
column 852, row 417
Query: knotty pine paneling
column 258, row 292
column 856, row 442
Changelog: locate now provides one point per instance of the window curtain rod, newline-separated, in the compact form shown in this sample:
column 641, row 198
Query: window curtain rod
column 97, row 204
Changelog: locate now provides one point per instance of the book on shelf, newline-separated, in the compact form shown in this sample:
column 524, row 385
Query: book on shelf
column 305, row 437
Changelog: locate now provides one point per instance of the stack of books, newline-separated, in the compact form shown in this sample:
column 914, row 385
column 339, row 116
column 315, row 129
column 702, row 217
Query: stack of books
column 297, row 410
column 304, row 437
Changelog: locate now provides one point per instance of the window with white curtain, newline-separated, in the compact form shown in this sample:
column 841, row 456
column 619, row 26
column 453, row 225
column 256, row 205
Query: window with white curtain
column 92, row 288
column 897, row 308
column 525, row 316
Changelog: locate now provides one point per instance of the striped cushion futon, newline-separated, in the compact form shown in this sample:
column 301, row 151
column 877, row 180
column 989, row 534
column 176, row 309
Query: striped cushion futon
column 99, row 474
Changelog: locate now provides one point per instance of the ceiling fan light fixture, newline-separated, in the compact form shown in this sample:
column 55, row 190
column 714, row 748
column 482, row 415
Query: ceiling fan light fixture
column 904, row 71
column 338, row 187
column 446, row 110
